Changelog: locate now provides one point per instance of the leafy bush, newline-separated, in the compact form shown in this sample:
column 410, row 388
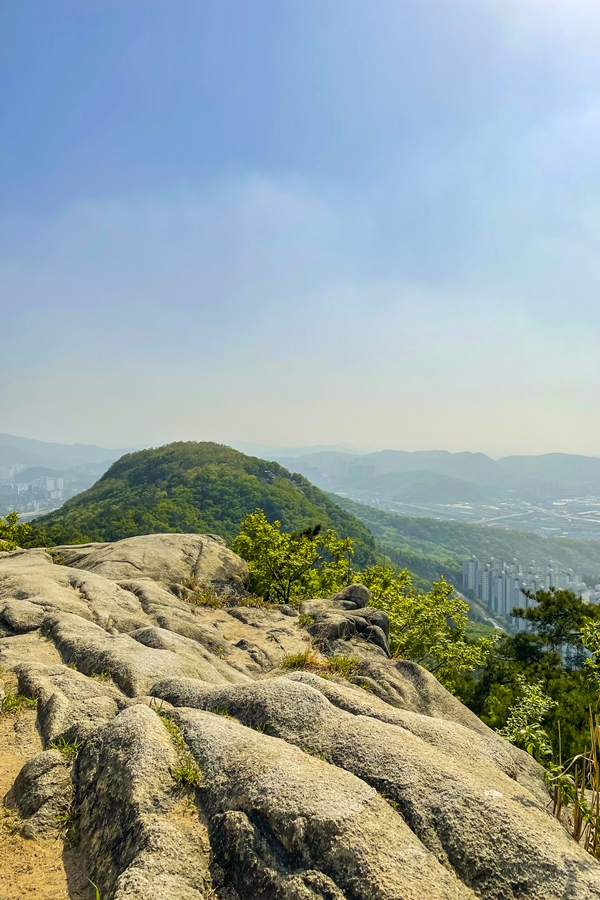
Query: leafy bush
column 428, row 628
column 524, row 725
column 12, row 534
column 284, row 566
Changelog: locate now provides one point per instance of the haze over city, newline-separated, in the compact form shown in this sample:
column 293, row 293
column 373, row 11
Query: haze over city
column 297, row 224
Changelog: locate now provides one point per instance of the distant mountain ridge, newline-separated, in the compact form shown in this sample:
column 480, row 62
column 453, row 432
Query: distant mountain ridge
column 530, row 477
column 29, row 452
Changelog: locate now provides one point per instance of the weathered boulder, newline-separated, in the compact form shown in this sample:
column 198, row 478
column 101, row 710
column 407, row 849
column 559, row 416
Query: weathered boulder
column 135, row 841
column 164, row 558
column 285, row 824
column 379, row 785
column 42, row 793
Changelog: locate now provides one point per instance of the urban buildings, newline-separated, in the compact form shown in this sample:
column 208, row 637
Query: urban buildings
column 500, row 585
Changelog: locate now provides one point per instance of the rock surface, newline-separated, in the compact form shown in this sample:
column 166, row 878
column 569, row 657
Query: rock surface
column 196, row 764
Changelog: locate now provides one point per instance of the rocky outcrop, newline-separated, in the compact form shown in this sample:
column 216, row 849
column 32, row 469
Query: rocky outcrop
column 191, row 761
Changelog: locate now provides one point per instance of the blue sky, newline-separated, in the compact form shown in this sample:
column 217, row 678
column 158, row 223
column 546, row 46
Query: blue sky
column 302, row 222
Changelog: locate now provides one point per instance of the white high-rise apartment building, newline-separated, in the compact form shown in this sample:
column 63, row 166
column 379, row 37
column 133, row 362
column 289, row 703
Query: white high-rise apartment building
column 500, row 586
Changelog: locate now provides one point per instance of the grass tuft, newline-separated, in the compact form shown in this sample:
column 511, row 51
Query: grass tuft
column 203, row 595
column 14, row 703
column 342, row 666
column 308, row 659
column 304, row 620
column 68, row 749
column 11, row 820
column 105, row 675
column 187, row 772
column 345, row 666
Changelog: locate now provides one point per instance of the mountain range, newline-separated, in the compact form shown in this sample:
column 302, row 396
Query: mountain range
column 443, row 477
column 20, row 451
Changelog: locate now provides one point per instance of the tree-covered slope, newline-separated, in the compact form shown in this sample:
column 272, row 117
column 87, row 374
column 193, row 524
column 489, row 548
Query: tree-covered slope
column 430, row 547
column 195, row 487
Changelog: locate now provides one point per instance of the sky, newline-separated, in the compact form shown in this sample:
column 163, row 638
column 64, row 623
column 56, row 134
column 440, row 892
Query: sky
column 296, row 222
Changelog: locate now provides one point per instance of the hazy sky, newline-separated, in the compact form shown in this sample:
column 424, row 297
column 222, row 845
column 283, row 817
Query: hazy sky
column 301, row 222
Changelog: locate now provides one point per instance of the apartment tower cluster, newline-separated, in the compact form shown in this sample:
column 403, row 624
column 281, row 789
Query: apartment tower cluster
column 500, row 586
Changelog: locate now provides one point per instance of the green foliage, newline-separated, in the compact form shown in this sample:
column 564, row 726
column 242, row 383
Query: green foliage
column 474, row 631
column 12, row 534
column 302, row 564
column 70, row 749
column 558, row 617
column 524, row 723
column 590, row 638
column 345, row 666
column 194, row 488
column 305, row 660
column 427, row 628
column 14, row 703
column 342, row 666
column 186, row 772
column 105, row 675
column 534, row 655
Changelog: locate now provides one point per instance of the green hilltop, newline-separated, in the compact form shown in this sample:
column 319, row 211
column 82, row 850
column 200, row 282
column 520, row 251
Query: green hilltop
column 195, row 487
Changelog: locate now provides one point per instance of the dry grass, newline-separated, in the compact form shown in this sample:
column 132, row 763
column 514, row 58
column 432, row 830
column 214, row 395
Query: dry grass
column 309, row 661
column 206, row 595
column 576, row 793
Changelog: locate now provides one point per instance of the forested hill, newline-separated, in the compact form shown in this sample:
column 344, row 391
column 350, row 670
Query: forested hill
column 430, row 546
column 195, row 487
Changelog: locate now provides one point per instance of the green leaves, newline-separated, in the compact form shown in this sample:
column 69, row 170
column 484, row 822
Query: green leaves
column 524, row 725
column 427, row 628
column 283, row 566
column 12, row 535
column 558, row 617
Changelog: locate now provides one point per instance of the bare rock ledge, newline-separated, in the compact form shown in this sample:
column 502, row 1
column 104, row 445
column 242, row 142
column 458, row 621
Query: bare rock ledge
column 380, row 786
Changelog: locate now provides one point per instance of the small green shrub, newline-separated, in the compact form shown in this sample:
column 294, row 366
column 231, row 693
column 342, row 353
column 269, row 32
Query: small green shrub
column 304, row 620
